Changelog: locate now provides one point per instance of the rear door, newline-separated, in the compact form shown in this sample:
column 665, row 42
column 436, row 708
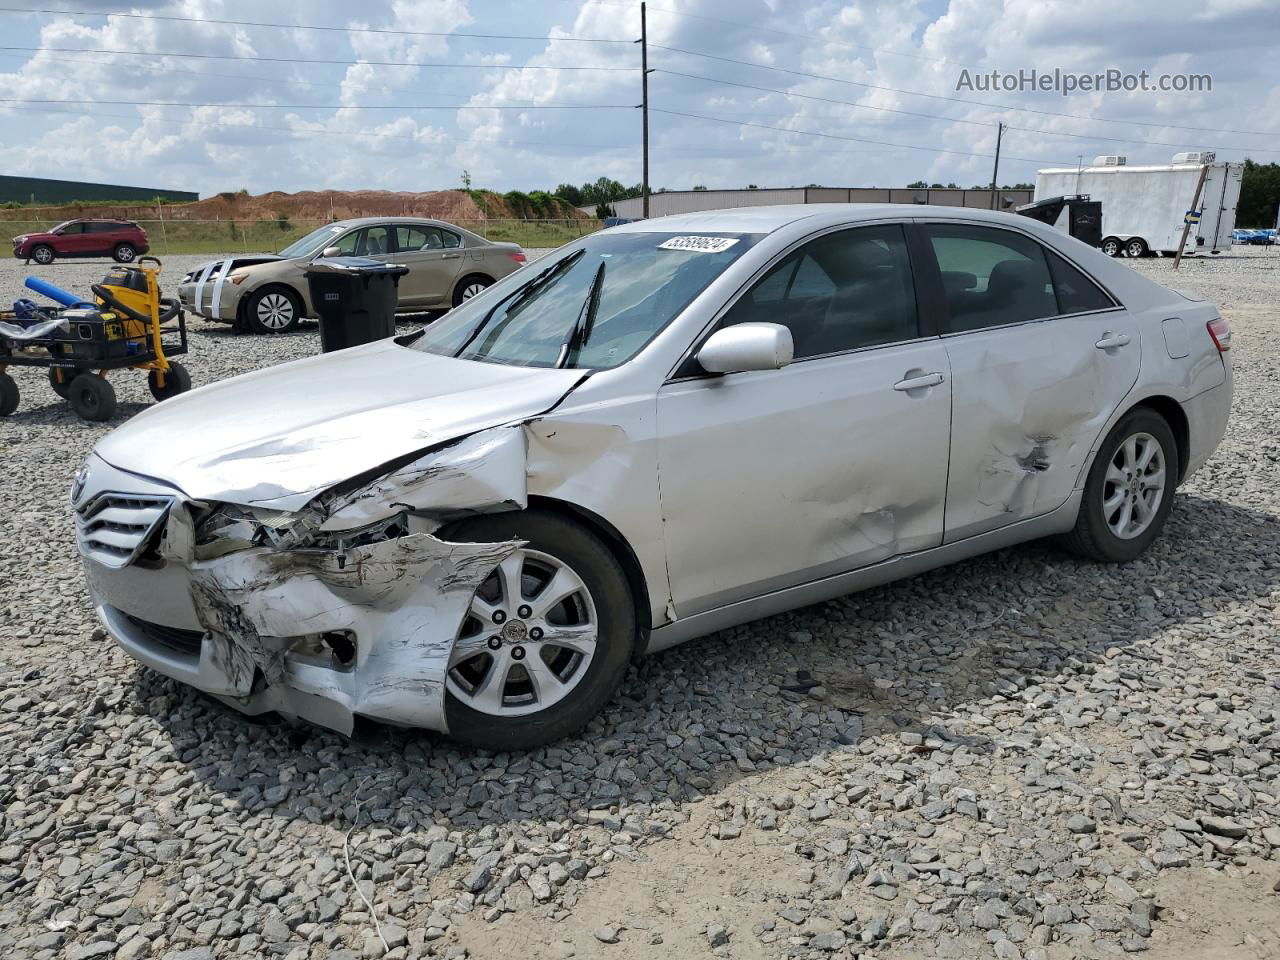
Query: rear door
column 1040, row 357
column 434, row 259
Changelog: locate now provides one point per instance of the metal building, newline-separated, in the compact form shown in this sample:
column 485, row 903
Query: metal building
column 40, row 190
column 692, row 201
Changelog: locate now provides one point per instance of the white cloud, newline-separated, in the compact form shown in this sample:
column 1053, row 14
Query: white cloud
column 916, row 45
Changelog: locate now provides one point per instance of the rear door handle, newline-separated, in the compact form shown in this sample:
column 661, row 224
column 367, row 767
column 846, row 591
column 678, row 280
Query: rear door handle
column 451, row 256
column 919, row 383
column 1110, row 341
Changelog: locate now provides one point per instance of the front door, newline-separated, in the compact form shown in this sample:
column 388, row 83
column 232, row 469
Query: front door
column 434, row 258
column 1040, row 358
column 774, row 478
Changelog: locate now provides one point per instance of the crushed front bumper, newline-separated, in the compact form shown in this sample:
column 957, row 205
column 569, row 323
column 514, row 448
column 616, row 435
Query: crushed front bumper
column 210, row 295
column 257, row 627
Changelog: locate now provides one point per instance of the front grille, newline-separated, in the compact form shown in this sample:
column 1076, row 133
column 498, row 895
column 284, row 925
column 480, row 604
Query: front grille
column 115, row 527
column 185, row 642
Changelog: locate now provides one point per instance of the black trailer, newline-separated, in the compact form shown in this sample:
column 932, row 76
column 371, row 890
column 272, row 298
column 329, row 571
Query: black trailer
column 1076, row 215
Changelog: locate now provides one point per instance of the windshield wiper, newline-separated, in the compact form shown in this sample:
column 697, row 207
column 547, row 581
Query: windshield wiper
column 585, row 320
column 522, row 293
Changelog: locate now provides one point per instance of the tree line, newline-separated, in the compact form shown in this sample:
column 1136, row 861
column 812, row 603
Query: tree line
column 1259, row 193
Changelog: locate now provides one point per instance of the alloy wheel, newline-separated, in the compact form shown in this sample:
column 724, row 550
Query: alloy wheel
column 473, row 288
column 1135, row 485
column 528, row 639
column 42, row 255
column 275, row 311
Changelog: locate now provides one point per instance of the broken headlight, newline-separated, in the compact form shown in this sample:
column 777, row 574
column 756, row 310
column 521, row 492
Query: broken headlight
column 226, row 528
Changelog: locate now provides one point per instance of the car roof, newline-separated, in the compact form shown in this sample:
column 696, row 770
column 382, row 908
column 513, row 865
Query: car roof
column 766, row 219
column 366, row 221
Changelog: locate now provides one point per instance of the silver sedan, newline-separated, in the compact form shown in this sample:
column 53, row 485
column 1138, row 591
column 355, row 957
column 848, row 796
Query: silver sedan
column 659, row 431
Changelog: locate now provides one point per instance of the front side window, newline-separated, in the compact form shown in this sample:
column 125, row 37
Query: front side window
column 991, row 277
column 70, row 228
column 619, row 289
column 369, row 242
column 843, row 291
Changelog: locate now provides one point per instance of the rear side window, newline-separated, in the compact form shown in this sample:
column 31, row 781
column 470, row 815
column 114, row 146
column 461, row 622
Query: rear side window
column 1076, row 292
column 991, row 277
column 843, row 291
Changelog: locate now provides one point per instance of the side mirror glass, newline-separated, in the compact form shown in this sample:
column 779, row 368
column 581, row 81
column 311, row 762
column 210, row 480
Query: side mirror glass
column 747, row 346
column 331, row 252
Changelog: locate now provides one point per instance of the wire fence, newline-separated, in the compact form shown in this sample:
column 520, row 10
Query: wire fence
column 267, row 235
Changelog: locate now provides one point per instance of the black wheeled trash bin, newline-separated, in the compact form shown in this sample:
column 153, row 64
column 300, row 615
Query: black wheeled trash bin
column 355, row 298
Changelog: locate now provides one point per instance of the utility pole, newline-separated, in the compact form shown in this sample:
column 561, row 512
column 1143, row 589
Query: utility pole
column 995, row 171
column 644, row 111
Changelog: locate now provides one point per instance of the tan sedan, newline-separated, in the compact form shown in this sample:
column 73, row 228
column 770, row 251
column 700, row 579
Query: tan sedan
column 268, row 293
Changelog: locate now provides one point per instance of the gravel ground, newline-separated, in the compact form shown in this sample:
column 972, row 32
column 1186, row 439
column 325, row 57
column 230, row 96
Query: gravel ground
column 1024, row 755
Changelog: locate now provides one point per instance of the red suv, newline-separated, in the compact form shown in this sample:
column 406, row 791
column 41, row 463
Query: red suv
column 121, row 239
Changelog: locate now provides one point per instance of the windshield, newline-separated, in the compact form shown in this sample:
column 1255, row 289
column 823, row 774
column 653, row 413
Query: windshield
column 313, row 242
column 648, row 279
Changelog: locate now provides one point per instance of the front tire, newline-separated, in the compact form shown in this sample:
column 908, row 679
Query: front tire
column 43, row 254
column 176, row 381
column 470, row 287
column 547, row 639
column 273, row 310
column 1129, row 491
column 124, row 253
column 1110, row 247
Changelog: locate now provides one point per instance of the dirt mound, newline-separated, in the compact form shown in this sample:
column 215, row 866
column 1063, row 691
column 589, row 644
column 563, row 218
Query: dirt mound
column 307, row 205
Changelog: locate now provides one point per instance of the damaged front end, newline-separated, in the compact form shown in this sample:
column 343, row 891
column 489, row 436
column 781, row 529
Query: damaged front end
column 347, row 606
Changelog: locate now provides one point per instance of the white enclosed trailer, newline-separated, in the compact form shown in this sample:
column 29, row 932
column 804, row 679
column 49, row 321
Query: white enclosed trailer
column 1143, row 207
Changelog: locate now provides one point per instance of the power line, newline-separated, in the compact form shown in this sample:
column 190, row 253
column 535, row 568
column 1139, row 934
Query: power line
column 344, row 85
column 936, row 96
column 304, row 26
column 835, row 136
column 935, row 116
column 758, row 28
column 311, row 60
column 330, row 106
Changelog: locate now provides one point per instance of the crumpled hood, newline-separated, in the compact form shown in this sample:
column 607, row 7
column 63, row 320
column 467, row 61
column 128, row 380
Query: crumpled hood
column 279, row 436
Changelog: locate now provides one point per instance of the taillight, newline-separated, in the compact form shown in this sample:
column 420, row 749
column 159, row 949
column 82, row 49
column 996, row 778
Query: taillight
column 1220, row 330
column 518, row 257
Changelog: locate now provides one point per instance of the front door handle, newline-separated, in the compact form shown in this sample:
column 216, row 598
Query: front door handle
column 919, row 382
column 451, row 256
column 1110, row 341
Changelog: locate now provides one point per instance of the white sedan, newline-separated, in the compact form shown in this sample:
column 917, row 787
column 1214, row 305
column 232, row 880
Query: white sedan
column 659, row 431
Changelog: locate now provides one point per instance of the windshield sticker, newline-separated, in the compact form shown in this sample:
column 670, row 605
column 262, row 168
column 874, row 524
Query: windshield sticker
column 699, row 244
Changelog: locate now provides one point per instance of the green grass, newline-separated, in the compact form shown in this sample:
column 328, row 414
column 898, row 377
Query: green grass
column 267, row 236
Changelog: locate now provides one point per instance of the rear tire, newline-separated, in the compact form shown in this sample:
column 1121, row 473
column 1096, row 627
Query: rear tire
column 176, row 381
column 9, row 395
column 92, row 398
column 602, row 601
column 63, row 388
column 1114, row 485
column 1135, row 248
column 42, row 254
column 468, row 287
column 124, row 253
column 1111, row 247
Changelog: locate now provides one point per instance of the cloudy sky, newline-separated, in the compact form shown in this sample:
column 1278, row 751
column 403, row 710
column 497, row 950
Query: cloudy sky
column 856, row 72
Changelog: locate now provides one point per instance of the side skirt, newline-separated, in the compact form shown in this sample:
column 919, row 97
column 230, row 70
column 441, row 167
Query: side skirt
column 907, row 565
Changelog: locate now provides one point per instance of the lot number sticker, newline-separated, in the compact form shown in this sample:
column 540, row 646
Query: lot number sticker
column 699, row 244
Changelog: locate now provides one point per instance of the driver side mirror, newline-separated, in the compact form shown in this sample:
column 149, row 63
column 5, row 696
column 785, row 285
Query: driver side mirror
column 747, row 346
column 331, row 252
